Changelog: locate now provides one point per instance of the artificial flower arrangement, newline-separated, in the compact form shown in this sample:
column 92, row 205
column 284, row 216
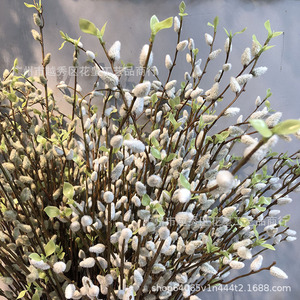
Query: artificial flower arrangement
column 140, row 198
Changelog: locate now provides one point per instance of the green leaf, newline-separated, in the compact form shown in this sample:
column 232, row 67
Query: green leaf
column 102, row 31
column 265, row 48
column 184, row 182
column 146, row 200
column 268, row 27
column 167, row 23
column 35, row 296
column 255, row 231
column 154, row 142
column 153, row 21
column 29, row 5
column 68, row 190
column 41, row 140
column 268, row 246
column 209, row 24
column 155, row 153
column 171, row 157
column 244, row 222
column 269, row 94
column 159, row 209
column 226, row 31
column 239, row 32
column 68, row 211
column 62, row 45
column 277, row 33
column 88, row 27
column 195, row 51
column 255, row 39
column 50, row 248
column 52, row 211
column 22, row 294
column 216, row 23
column 261, row 127
column 182, row 7
column 287, row 127
column 284, row 220
column 15, row 63
column 35, row 257
column 173, row 121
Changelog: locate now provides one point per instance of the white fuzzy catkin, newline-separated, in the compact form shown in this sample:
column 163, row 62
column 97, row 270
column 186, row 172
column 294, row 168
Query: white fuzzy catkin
column 108, row 197
column 184, row 218
column 234, row 85
column 242, row 79
column 255, row 48
column 259, row 71
column 59, row 267
column 226, row 45
column 135, row 145
column 208, row 39
column 246, row 57
column 87, row 262
column 90, row 54
column 138, row 106
column 183, row 195
column 110, row 79
column 176, row 24
column 86, row 221
column 117, row 171
column 116, row 141
column 275, row 271
column 182, row 45
column 244, row 252
column 236, row 265
column 228, row 211
column 168, row 62
column 143, row 56
column 154, row 181
column 231, row 111
column 94, row 176
column 98, row 249
column 225, row 179
column 197, row 72
column 256, row 263
column 164, row 232
column 69, row 291
column 142, row 89
column 114, row 51
column 226, row 67
column 75, row 226
column 140, row 188
column 126, row 234
column 214, row 54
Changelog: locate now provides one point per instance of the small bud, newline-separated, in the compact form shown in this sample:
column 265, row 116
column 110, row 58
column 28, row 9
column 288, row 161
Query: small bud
column 36, row 35
column 37, row 21
column 47, row 59
column 90, row 54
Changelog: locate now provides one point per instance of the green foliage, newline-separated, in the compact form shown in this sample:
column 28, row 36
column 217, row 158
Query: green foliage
column 287, row 127
column 184, row 182
column 261, row 127
column 155, row 153
column 50, row 248
column 157, row 26
column 215, row 24
column 89, row 27
column 146, row 200
column 52, row 211
column 68, row 190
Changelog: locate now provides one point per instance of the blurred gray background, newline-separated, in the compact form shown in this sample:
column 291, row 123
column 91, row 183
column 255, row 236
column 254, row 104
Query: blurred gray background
column 128, row 21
